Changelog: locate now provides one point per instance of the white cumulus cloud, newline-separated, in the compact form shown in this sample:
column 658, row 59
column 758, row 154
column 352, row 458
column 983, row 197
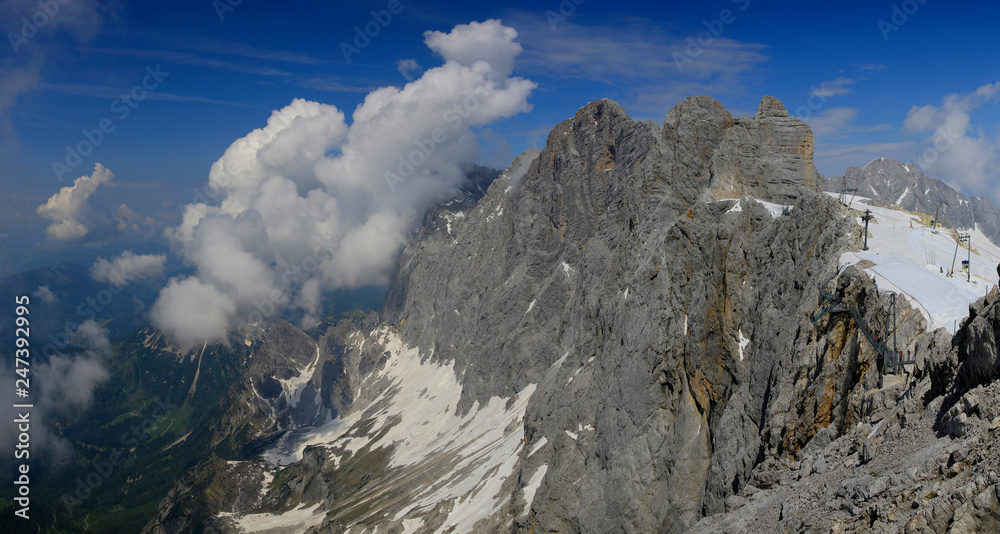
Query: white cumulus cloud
column 63, row 386
column 95, row 337
column 312, row 202
column 127, row 267
column 72, row 216
column 487, row 41
column 193, row 311
column 44, row 293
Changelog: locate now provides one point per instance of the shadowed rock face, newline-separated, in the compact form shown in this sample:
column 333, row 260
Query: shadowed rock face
column 607, row 272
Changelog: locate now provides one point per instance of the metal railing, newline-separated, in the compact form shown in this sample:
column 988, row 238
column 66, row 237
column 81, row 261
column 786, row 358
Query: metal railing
column 892, row 361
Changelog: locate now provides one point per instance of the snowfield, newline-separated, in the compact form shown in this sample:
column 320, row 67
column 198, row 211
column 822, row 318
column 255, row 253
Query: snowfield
column 416, row 416
column 909, row 260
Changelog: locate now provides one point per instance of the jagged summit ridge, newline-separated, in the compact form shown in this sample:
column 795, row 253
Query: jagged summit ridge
column 770, row 107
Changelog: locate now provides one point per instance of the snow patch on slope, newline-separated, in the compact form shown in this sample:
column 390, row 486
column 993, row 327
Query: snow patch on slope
column 293, row 386
column 299, row 519
column 532, row 487
column 541, row 443
column 776, row 210
column 743, row 343
column 417, row 416
column 901, row 197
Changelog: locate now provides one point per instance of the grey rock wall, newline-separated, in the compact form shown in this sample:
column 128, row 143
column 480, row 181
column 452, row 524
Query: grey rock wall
column 612, row 275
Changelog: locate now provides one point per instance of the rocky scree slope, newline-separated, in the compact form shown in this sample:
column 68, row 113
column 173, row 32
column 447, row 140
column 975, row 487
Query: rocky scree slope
column 925, row 463
column 649, row 292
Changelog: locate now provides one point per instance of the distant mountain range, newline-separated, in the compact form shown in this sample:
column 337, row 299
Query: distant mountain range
column 903, row 185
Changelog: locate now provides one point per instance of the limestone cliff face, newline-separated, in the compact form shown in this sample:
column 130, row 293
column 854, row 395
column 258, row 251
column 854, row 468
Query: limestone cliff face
column 768, row 156
column 913, row 455
column 659, row 323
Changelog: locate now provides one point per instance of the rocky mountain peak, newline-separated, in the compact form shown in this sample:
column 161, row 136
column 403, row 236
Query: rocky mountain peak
column 767, row 157
column 597, row 123
column 604, row 269
column 770, row 107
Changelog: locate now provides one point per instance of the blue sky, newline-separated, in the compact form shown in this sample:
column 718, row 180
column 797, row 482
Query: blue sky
column 873, row 79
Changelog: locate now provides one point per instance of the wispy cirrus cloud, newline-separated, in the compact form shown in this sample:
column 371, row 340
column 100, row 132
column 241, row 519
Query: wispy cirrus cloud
column 639, row 58
column 232, row 48
column 835, row 87
column 219, row 55
column 207, row 52
column 622, row 54
column 832, row 120
column 13, row 83
column 22, row 65
column 834, row 123
column 337, row 84
column 866, row 148
column 192, row 59
column 80, row 18
column 109, row 93
column 828, row 122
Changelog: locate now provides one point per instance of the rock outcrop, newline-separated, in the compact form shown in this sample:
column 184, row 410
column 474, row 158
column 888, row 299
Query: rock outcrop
column 768, row 156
